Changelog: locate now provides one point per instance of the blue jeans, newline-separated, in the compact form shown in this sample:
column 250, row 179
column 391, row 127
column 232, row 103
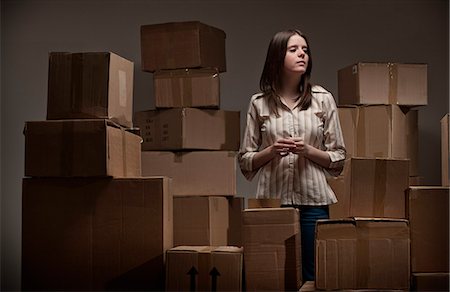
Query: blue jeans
column 308, row 217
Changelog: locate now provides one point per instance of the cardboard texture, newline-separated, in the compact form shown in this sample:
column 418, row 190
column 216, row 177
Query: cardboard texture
column 348, row 118
column 194, row 173
column 383, row 83
column 445, row 150
column 362, row 253
column 412, row 141
column 180, row 45
column 428, row 215
column 90, row 234
column 382, row 132
column 235, row 207
column 310, row 286
column 200, row 221
column 371, row 187
column 263, row 203
column 272, row 257
column 204, row 268
column 90, row 85
column 189, row 129
column 430, row 282
column 80, row 148
column 187, row 88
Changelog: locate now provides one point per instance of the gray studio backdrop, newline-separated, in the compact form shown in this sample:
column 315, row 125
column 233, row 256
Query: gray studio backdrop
column 340, row 33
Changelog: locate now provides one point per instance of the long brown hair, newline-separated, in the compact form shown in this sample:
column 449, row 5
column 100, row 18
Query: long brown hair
column 271, row 77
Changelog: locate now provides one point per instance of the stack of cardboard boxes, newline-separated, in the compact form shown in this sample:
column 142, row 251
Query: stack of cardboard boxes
column 382, row 231
column 90, row 221
column 190, row 139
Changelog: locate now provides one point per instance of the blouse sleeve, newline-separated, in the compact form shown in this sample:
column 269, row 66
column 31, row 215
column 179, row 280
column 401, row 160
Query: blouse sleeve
column 251, row 143
column 333, row 138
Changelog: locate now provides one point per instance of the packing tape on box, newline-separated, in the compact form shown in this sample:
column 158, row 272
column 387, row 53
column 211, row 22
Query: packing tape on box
column 187, row 91
column 124, row 151
column 393, row 80
column 362, row 268
column 67, row 148
column 76, row 82
column 175, row 91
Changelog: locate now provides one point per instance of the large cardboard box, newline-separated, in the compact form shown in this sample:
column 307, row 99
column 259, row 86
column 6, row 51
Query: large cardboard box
column 189, row 129
column 187, row 88
column 348, row 118
column 362, row 253
column 200, row 221
column 428, row 215
column 180, row 45
column 204, row 268
column 90, row 85
column 272, row 253
column 90, row 234
column 430, row 282
column 371, row 187
column 194, row 173
column 445, row 150
column 80, row 148
column 383, row 83
column 382, row 132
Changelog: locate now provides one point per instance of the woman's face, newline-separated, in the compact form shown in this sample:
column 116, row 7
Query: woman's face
column 296, row 59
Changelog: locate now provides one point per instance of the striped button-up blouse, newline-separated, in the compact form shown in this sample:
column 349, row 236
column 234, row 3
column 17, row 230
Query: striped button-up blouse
column 292, row 178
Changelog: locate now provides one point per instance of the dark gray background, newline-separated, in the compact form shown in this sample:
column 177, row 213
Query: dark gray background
column 340, row 33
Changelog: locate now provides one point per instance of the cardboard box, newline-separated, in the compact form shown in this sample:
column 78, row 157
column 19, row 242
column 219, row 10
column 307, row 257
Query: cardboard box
column 416, row 180
column 371, row 187
column 80, row 148
column 272, row 253
column 90, row 234
column 362, row 253
column 445, row 150
column 187, row 88
column 430, row 282
column 90, row 85
column 263, row 203
column 348, row 118
column 382, row 132
column 204, row 268
column 189, row 129
column 200, row 221
column 310, row 286
column 235, row 207
column 180, row 45
column 194, row 173
column 428, row 214
column 383, row 83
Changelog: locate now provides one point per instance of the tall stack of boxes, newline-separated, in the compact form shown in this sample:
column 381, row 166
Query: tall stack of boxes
column 380, row 215
column 90, row 221
column 190, row 139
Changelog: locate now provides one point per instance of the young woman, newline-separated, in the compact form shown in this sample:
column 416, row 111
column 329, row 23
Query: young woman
column 292, row 137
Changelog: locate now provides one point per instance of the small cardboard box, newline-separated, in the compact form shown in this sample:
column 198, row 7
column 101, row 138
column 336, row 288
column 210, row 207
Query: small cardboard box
column 430, row 282
column 348, row 118
column 383, row 83
column 189, row 129
column 194, row 173
column 371, row 187
column 80, row 148
column 200, row 221
column 204, row 268
column 180, row 45
column 272, row 253
column 445, row 150
column 362, row 253
column 90, row 85
column 89, row 234
column 187, row 88
column 428, row 215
